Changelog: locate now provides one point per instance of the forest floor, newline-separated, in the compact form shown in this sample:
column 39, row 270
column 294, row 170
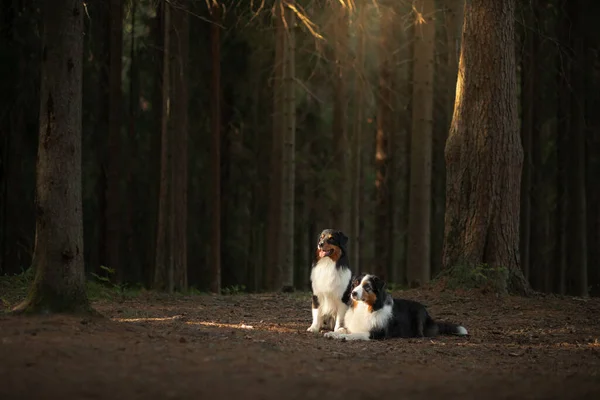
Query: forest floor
column 256, row 346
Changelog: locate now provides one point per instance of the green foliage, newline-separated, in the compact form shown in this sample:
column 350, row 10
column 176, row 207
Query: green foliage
column 480, row 276
column 14, row 288
column 234, row 289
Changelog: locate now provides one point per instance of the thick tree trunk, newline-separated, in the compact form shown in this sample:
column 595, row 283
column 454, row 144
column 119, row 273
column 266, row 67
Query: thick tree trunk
column 179, row 172
column 419, row 219
column 484, row 155
column 289, row 153
column 215, row 112
column 453, row 28
column 113, row 160
column 59, row 284
column 162, row 266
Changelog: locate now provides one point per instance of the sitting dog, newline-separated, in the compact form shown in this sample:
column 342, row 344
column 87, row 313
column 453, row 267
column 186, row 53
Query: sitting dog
column 374, row 314
column 330, row 279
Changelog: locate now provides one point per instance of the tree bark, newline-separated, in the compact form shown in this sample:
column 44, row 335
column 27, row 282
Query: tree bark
column 577, row 230
column 453, row 27
column 383, row 248
column 341, row 213
column 419, row 219
column 528, row 85
column 179, row 171
column 163, row 268
column 357, row 138
column 273, row 257
column 289, row 152
column 484, row 156
column 114, row 167
column 215, row 112
column 59, row 284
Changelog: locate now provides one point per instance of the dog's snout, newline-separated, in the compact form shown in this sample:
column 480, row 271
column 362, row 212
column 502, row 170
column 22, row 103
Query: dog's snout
column 321, row 243
column 354, row 294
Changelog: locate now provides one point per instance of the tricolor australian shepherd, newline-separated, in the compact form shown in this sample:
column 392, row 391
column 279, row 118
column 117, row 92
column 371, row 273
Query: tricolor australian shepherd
column 374, row 314
column 330, row 280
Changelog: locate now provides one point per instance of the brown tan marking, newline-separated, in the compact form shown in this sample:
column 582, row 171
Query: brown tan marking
column 369, row 298
column 337, row 253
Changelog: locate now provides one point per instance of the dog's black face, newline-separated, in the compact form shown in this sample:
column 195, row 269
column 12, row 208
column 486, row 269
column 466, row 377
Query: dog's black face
column 331, row 244
column 369, row 289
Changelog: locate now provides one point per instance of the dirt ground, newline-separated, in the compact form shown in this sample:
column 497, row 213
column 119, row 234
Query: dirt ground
column 256, row 346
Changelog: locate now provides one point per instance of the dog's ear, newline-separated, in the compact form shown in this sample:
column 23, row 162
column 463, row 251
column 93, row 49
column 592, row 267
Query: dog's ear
column 379, row 283
column 343, row 238
column 356, row 279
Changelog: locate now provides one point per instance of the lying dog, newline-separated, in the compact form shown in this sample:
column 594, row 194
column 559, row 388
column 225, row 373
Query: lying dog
column 374, row 314
column 330, row 280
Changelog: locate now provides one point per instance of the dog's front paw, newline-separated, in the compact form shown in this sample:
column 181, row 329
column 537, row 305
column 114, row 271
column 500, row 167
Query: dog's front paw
column 313, row 329
column 335, row 335
column 341, row 330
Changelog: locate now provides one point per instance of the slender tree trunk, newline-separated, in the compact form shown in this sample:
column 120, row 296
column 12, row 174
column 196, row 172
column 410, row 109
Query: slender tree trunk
column 357, row 138
column 113, row 163
column 577, row 242
column 528, row 86
column 484, row 156
column 179, row 169
column 131, row 259
column 340, row 107
column 215, row 112
column 273, row 250
column 383, row 246
column 59, row 284
column 162, row 266
column 419, row 220
column 289, row 152
column 563, row 68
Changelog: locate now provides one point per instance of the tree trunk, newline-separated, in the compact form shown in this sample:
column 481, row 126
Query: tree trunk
column 179, row 172
column 383, row 248
column 357, row 138
column 215, row 113
column 289, row 152
column 453, row 28
column 484, row 156
column 341, row 213
column 272, row 273
column 528, row 78
column 162, row 265
column 419, row 219
column 114, row 168
column 577, row 236
column 59, row 284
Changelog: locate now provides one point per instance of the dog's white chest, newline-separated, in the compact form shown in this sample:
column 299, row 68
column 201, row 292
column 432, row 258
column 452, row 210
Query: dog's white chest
column 360, row 320
column 328, row 280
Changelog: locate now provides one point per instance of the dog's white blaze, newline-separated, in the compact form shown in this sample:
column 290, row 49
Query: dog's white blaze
column 462, row 331
column 329, row 284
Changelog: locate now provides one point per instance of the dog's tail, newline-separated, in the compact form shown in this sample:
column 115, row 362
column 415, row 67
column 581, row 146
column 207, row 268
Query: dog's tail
column 447, row 328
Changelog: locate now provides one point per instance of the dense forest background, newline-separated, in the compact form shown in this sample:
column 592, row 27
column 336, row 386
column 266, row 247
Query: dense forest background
column 219, row 139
